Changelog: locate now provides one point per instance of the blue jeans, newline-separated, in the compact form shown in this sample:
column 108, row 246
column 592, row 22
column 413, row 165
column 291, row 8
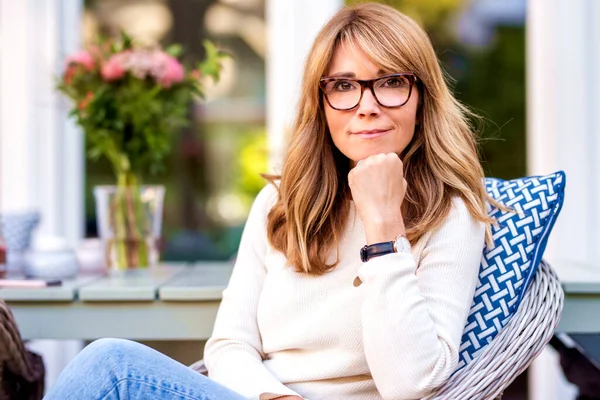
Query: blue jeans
column 122, row 369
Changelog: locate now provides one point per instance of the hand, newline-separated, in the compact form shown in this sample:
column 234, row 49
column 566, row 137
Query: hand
column 378, row 187
column 289, row 398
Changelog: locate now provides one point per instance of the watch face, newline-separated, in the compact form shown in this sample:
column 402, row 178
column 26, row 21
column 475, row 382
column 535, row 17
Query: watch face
column 402, row 244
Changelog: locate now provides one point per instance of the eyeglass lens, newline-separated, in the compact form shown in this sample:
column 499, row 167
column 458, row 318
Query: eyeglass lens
column 391, row 91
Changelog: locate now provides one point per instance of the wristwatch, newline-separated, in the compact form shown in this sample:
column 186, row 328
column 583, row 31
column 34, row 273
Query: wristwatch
column 400, row 245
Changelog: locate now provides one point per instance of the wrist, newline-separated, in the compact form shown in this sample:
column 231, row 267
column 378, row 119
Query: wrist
column 384, row 231
column 398, row 245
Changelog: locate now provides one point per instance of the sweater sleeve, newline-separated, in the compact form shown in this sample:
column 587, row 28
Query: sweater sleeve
column 413, row 317
column 234, row 355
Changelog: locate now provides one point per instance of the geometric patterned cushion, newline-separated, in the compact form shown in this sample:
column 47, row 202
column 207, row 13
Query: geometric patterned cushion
column 16, row 229
column 508, row 267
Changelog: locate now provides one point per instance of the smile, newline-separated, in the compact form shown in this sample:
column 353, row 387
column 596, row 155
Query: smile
column 371, row 134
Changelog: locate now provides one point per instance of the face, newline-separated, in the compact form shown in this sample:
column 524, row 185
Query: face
column 369, row 128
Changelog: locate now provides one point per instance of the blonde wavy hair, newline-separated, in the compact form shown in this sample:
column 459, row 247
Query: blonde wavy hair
column 440, row 162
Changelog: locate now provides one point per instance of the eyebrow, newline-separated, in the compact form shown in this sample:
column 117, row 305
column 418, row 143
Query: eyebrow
column 350, row 74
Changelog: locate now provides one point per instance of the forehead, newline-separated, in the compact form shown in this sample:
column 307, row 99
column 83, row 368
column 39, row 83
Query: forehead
column 350, row 60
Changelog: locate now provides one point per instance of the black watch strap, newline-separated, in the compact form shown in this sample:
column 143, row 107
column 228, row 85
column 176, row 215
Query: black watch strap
column 375, row 250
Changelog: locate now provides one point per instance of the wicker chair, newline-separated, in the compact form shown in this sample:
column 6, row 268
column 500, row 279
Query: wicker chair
column 511, row 351
column 21, row 371
column 515, row 347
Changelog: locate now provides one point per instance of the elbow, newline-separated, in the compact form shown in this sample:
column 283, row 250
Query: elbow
column 417, row 381
column 406, row 389
column 217, row 349
column 211, row 351
column 406, row 392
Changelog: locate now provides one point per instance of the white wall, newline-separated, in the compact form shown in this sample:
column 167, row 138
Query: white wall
column 563, row 111
column 41, row 155
column 41, row 158
column 563, row 60
column 292, row 27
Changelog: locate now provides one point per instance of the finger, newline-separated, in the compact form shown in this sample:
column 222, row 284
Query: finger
column 351, row 179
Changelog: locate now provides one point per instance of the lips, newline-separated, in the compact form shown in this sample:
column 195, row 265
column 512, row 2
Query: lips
column 372, row 133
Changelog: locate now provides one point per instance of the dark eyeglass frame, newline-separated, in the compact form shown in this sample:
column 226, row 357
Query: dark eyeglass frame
column 368, row 83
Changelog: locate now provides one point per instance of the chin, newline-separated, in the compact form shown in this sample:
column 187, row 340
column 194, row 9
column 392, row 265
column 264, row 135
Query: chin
column 357, row 157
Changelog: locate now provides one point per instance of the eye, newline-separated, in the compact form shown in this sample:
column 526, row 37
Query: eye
column 396, row 82
column 342, row 86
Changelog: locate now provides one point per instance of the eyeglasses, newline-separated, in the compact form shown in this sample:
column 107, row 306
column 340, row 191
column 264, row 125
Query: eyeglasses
column 389, row 91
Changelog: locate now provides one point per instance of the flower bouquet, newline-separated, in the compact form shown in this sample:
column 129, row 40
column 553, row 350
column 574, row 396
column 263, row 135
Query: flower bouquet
column 129, row 100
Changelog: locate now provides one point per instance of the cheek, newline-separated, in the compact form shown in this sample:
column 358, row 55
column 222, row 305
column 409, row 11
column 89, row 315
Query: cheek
column 407, row 118
column 336, row 122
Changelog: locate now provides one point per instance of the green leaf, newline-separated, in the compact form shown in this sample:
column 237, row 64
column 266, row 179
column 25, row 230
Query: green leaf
column 174, row 50
column 211, row 66
column 126, row 41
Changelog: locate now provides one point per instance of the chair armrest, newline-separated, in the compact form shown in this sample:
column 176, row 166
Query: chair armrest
column 515, row 347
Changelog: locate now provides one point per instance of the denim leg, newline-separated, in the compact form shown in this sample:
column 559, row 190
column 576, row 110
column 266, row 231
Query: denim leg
column 111, row 369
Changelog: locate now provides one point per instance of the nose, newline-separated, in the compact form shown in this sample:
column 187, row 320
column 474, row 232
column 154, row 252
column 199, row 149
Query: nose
column 368, row 105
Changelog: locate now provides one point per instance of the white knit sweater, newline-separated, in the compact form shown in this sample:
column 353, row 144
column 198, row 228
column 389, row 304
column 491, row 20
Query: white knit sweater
column 396, row 336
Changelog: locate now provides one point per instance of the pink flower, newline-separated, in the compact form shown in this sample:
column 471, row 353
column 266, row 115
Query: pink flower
column 114, row 68
column 172, row 72
column 82, row 58
column 140, row 63
column 75, row 61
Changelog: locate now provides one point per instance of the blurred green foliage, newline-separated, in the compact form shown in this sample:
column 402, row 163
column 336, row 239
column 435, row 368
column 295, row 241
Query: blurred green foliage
column 433, row 15
column 492, row 83
column 252, row 162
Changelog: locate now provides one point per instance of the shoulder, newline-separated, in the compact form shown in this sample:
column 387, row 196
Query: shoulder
column 268, row 194
column 266, row 198
column 263, row 202
column 460, row 221
column 458, row 228
column 459, row 235
column 459, row 209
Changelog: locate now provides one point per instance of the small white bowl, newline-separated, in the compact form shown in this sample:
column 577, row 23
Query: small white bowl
column 50, row 264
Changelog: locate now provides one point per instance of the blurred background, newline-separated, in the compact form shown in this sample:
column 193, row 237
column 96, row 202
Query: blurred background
column 213, row 172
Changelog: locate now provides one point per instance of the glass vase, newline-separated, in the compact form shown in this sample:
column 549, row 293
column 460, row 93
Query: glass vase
column 129, row 220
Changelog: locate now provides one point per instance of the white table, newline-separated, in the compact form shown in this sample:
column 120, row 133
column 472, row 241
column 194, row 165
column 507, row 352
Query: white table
column 170, row 302
column 180, row 302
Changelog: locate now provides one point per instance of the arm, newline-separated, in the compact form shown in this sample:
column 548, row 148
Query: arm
column 413, row 318
column 234, row 353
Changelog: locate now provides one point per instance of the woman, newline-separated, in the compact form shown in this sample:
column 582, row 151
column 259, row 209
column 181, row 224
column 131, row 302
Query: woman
column 357, row 266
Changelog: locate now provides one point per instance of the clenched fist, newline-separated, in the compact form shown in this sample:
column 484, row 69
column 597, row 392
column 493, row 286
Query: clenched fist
column 378, row 187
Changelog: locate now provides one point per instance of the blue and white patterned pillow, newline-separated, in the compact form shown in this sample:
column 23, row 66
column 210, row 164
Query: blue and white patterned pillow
column 16, row 229
column 508, row 267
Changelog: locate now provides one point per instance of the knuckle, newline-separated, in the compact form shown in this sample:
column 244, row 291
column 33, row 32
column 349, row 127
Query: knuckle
column 393, row 157
column 378, row 158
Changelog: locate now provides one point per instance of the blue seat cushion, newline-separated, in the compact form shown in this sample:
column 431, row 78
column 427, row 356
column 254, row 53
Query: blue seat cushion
column 508, row 266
